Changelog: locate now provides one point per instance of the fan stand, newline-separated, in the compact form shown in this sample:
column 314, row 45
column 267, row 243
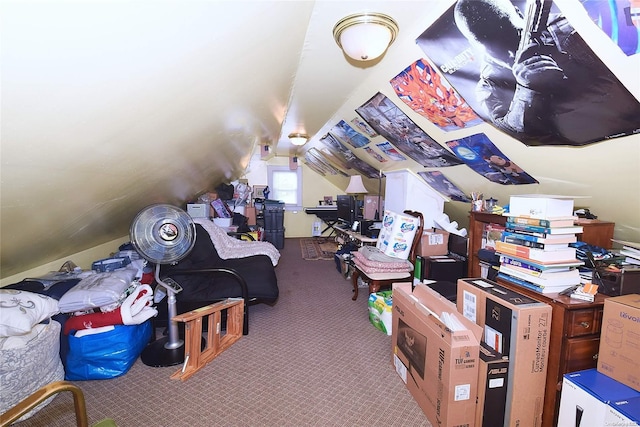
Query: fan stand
column 164, row 234
column 169, row 350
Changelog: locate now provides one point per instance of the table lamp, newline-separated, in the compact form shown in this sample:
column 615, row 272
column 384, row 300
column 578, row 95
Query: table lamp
column 356, row 187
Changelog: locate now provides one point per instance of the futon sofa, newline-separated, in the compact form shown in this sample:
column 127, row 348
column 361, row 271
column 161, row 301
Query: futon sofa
column 254, row 262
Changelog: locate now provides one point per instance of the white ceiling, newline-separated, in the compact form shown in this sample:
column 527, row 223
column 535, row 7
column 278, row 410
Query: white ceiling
column 108, row 106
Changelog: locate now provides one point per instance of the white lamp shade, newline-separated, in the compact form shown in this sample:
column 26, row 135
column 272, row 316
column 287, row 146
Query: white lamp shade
column 365, row 42
column 365, row 37
column 355, row 185
column 298, row 138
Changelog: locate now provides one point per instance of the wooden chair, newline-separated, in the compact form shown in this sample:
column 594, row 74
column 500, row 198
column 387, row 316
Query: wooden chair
column 45, row 392
column 377, row 281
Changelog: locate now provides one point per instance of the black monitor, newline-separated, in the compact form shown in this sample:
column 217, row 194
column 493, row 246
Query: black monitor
column 346, row 207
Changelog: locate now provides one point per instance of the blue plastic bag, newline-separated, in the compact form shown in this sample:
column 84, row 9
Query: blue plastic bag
column 106, row 355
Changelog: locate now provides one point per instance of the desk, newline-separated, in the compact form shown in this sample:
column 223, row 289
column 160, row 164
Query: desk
column 328, row 215
column 353, row 236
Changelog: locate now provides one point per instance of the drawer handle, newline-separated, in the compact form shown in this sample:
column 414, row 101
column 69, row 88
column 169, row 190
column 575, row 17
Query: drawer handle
column 595, row 356
column 585, row 325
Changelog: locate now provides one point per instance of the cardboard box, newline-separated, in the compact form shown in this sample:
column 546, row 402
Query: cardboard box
column 519, row 328
column 585, row 398
column 438, row 363
column 433, row 242
column 623, row 413
column 250, row 213
column 619, row 352
column 493, row 377
column 540, row 206
column 396, row 234
column 371, row 207
column 222, row 222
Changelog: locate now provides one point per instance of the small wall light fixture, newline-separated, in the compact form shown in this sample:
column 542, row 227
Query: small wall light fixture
column 365, row 36
column 298, row 139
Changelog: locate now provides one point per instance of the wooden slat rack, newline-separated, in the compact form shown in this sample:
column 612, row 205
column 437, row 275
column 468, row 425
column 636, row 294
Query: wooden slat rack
column 217, row 340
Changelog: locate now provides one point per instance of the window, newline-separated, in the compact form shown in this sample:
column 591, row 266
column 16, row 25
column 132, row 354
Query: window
column 286, row 185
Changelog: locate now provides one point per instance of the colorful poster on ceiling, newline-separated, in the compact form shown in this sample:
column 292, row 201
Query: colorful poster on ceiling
column 316, row 161
column 391, row 151
column 363, row 127
column 481, row 155
column 543, row 85
column 619, row 20
column 442, row 185
column 346, row 155
column 338, row 162
column 423, row 89
column 345, row 134
column 371, row 152
column 393, row 124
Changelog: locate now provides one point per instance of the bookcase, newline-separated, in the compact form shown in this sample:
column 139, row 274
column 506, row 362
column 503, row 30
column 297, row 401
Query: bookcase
column 575, row 326
column 595, row 232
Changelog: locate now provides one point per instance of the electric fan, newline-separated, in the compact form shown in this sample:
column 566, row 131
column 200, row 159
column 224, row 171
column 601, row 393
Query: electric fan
column 164, row 234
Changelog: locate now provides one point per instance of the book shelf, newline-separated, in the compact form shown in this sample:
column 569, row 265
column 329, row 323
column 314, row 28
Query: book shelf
column 595, row 232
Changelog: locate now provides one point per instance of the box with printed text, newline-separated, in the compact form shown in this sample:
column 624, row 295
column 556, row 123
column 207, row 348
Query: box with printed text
column 619, row 352
column 436, row 353
column 519, row 328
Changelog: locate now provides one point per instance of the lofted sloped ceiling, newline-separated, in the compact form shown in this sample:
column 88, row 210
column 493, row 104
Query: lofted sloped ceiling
column 109, row 106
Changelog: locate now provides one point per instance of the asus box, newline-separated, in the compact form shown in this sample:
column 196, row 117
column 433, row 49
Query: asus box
column 519, row 328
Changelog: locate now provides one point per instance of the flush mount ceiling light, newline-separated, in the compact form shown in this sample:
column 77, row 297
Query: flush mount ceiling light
column 298, row 138
column 365, row 36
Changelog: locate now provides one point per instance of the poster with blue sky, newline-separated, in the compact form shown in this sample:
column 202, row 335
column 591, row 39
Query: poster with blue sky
column 391, row 151
column 347, row 156
column 480, row 154
column 346, row 134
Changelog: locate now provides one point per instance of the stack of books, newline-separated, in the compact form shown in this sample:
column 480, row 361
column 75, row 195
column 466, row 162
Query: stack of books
column 535, row 252
column 631, row 252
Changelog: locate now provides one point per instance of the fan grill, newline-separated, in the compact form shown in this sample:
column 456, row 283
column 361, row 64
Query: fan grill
column 163, row 233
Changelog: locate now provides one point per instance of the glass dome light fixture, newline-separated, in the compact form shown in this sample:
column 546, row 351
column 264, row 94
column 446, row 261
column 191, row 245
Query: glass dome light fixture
column 365, row 36
column 298, row 139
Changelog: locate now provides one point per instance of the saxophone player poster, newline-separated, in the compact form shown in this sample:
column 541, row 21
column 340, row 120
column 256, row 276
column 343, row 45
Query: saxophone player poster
column 522, row 67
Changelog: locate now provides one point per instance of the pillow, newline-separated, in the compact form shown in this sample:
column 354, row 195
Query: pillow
column 20, row 311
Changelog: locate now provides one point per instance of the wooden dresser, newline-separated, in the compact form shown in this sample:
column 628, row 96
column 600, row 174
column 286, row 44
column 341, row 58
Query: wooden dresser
column 575, row 340
column 575, row 324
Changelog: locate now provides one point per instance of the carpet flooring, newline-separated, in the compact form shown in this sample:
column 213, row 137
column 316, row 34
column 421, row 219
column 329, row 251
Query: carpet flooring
column 318, row 248
column 311, row 359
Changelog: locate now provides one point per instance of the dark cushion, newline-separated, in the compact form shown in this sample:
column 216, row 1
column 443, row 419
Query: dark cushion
column 257, row 271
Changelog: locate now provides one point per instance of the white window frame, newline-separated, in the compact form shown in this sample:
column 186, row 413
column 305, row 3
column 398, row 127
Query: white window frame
column 273, row 194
